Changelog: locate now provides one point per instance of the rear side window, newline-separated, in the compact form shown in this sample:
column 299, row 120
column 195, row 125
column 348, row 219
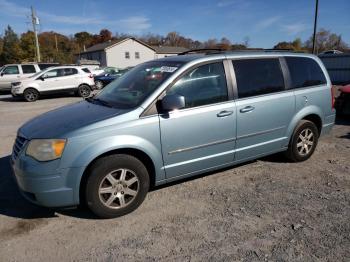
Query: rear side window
column 28, row 69
column 68, row 71
column 203, row 85
column 258, row 76
column 305, row 72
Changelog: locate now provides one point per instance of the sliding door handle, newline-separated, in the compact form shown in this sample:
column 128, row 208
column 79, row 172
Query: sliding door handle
column 224, row 113
column 247, row 109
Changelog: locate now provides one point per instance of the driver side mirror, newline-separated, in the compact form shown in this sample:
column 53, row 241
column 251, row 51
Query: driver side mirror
column 2, row 73
column 42, row 78
column 172, row 102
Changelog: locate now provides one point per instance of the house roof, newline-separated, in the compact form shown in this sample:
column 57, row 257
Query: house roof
column 169, row 49
column 157, row 49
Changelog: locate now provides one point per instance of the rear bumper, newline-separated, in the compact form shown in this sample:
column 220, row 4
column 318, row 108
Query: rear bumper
column 41, row 186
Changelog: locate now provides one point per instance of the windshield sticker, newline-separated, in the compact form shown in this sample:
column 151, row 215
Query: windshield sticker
column 168, row 69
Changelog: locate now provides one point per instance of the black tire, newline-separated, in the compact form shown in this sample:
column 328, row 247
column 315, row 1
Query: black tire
column 99, row 84
column 98, row 182
column 84, row 91
column 301, row 150
column 31, row 95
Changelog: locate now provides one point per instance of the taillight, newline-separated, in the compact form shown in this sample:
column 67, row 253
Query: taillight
column 332, row 96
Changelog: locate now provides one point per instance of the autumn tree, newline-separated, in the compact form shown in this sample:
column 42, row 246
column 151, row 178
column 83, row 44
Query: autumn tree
column 326, row 40
column 104, row 36
column 11, row 51
column 295, row 45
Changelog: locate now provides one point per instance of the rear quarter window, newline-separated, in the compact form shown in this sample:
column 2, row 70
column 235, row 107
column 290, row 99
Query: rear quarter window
column 86, row 70
column 258, row 76
column 305, row 72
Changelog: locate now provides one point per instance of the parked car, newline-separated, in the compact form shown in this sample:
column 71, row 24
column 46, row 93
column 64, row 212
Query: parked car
column 200, row 113
column 331, row 52
column 55, row 80
column 105, row 78
column 105, row 70
column 13, row 72
column 342, row 103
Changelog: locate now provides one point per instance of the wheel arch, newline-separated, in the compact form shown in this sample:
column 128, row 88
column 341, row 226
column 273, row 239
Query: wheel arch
column 139, row 154
column 312, row 113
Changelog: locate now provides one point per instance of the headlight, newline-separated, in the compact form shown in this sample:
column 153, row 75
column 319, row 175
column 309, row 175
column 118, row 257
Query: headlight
column 46, row 149
column 16, row 83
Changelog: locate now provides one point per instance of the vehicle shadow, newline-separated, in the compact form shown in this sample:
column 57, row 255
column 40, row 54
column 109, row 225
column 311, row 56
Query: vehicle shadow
column 343, row 120
column 42, row 97
column 11, row 201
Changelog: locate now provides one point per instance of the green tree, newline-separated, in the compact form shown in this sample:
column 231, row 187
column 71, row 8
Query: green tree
column 11, row 51
column 27, row 43
column 1, row 45
column 83, row 39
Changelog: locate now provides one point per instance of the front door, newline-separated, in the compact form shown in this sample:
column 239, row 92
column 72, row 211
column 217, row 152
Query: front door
column 202, row 135
column 8, row 75
column 264, row 107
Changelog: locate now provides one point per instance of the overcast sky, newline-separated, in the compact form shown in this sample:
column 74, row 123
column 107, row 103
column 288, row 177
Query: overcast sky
column 264, row 22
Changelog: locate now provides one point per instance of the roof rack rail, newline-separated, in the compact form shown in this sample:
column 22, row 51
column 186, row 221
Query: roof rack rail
column 203, row 50
column 278, row 50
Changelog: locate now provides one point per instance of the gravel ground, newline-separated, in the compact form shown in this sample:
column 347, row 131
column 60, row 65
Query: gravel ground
column 265, row 210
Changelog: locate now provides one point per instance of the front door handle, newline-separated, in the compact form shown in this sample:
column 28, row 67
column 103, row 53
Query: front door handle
column 224, row 113
column 247, row 109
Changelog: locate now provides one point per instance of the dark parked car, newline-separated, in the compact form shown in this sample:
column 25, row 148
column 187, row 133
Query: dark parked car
column 342, row 103
column 104, row 79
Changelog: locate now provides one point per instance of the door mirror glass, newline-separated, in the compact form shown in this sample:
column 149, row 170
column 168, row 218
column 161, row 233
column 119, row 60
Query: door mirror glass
column 172, row 102
column 2, row 73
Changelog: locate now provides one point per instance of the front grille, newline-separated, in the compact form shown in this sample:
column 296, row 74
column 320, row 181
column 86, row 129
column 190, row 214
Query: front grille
column 18, row 146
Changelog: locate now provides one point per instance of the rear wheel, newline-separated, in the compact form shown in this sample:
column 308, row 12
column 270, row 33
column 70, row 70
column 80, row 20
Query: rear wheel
column 30, row 95
column 84, row 91
column 116, row 185
column 303, row 142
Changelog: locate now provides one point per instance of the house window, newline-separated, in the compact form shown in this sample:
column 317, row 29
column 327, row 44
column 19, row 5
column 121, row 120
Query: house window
column 127, row 55
column 137, row 55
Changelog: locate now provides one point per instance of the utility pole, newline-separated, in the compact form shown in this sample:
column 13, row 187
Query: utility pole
column 35, row 22
column 315, row 28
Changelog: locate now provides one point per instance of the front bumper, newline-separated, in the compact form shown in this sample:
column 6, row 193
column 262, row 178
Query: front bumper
column 44, row 184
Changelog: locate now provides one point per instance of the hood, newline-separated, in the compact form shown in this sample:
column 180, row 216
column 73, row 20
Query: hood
column 59, row 122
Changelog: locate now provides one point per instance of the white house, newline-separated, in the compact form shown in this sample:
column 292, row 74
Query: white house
column 127, row 52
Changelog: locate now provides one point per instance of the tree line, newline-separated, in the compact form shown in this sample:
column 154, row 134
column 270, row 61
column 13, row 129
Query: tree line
column 55, row 47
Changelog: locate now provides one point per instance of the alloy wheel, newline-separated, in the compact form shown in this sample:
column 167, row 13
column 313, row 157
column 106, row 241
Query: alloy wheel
column 305, row 141
column 118, row 188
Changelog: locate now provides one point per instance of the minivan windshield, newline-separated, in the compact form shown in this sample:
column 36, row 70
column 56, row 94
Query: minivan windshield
column 131, row 89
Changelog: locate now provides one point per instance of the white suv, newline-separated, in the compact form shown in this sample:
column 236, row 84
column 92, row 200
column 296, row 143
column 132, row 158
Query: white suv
column 14, row 72
column 55, row 80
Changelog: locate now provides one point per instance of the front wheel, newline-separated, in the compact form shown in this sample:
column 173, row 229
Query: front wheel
column 99, row 84
column 303, row 142
column 30, row 95
column 116, row 185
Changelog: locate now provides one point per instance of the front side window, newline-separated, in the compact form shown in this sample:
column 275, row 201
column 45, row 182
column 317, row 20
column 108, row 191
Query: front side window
column 11, row 70
column 127, row 55
column 131, row 89
column 203, row 85
column 305, row 72
column 258, row 76
column 28, row 69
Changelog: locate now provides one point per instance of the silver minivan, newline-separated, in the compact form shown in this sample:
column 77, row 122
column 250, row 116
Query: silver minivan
column 173, row 118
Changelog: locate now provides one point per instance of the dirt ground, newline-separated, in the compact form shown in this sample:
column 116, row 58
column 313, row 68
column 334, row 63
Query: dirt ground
column 265, row 210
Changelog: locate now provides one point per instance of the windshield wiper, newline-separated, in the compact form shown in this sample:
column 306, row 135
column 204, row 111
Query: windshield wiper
column 98, row 101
